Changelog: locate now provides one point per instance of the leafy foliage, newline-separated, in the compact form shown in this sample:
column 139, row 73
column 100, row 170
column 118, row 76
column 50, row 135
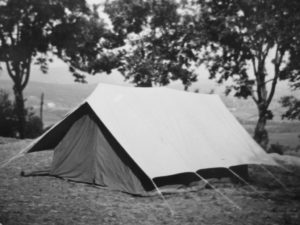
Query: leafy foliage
column 241, row 36
column 33, row 125
column 158, row 41
column 84, row 43
column 30, row 29
column 245, row 33
column 293, row 107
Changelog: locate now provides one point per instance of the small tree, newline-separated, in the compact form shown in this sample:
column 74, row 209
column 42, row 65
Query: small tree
column 240, row 37
column 33, row 124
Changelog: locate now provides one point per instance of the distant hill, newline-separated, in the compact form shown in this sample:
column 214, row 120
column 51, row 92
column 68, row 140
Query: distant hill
column 61, row 98
column 58, row 98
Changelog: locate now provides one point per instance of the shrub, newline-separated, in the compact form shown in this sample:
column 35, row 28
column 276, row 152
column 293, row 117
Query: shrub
column 33, row 126
column 8, row 119
column 277, row 148
column 8, row 123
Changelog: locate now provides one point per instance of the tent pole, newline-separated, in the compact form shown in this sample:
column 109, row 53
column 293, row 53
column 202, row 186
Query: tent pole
column 217, row 190
column 163, row 198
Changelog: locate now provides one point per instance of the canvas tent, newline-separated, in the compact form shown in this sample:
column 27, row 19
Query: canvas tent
column 125, row 138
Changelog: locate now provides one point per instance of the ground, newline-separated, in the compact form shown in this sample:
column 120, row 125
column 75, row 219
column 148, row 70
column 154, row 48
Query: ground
column 50, row 200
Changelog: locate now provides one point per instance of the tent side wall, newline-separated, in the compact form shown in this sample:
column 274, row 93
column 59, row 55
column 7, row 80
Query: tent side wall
column 86, row 154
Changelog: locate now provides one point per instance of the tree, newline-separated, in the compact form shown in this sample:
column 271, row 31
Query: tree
column 158, row 41
column 242, row 34
column 30, row 29
column 84, row 43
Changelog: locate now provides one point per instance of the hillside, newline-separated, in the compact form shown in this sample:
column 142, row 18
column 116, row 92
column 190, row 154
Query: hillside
column 58, row 98
column 61, row 98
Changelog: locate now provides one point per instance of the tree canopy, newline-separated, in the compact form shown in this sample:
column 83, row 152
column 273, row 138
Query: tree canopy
column 30, row 29
column 235, row 39
column 159, row 41
column 241, row 36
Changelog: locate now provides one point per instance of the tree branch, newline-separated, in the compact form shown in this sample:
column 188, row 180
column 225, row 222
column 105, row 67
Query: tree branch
column 272, row 89
column 26, row 79
column 27, row 74
column 254, row 66
column 266, row 52
column 254, row 97
column 22, row 72
column 12, row 39
column 268, row 81
column 10, row 72
column 278, row 61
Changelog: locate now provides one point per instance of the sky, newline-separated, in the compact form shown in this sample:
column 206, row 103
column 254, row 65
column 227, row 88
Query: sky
column 95, row 1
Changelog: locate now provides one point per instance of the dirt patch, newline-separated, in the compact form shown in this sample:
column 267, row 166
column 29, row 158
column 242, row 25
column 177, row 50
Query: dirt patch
column 50, row 200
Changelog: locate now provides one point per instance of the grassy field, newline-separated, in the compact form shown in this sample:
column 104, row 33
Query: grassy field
column 49, row 200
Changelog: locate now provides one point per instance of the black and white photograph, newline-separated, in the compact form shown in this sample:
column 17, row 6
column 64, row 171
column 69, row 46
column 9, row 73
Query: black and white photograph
column 151, row 112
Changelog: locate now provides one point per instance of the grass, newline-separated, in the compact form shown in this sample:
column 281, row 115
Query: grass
column 50, row 200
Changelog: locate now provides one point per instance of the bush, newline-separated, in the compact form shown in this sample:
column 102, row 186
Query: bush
column 8, row 119
column 8, row 122
column 34, row 125
column 277, row 148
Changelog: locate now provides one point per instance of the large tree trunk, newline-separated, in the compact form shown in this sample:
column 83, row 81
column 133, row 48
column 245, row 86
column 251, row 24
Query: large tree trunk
column 260, row 133
column 20, row 110
column 19, row 72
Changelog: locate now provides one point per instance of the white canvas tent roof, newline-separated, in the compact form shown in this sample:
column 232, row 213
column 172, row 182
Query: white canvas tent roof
column 166, row 131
